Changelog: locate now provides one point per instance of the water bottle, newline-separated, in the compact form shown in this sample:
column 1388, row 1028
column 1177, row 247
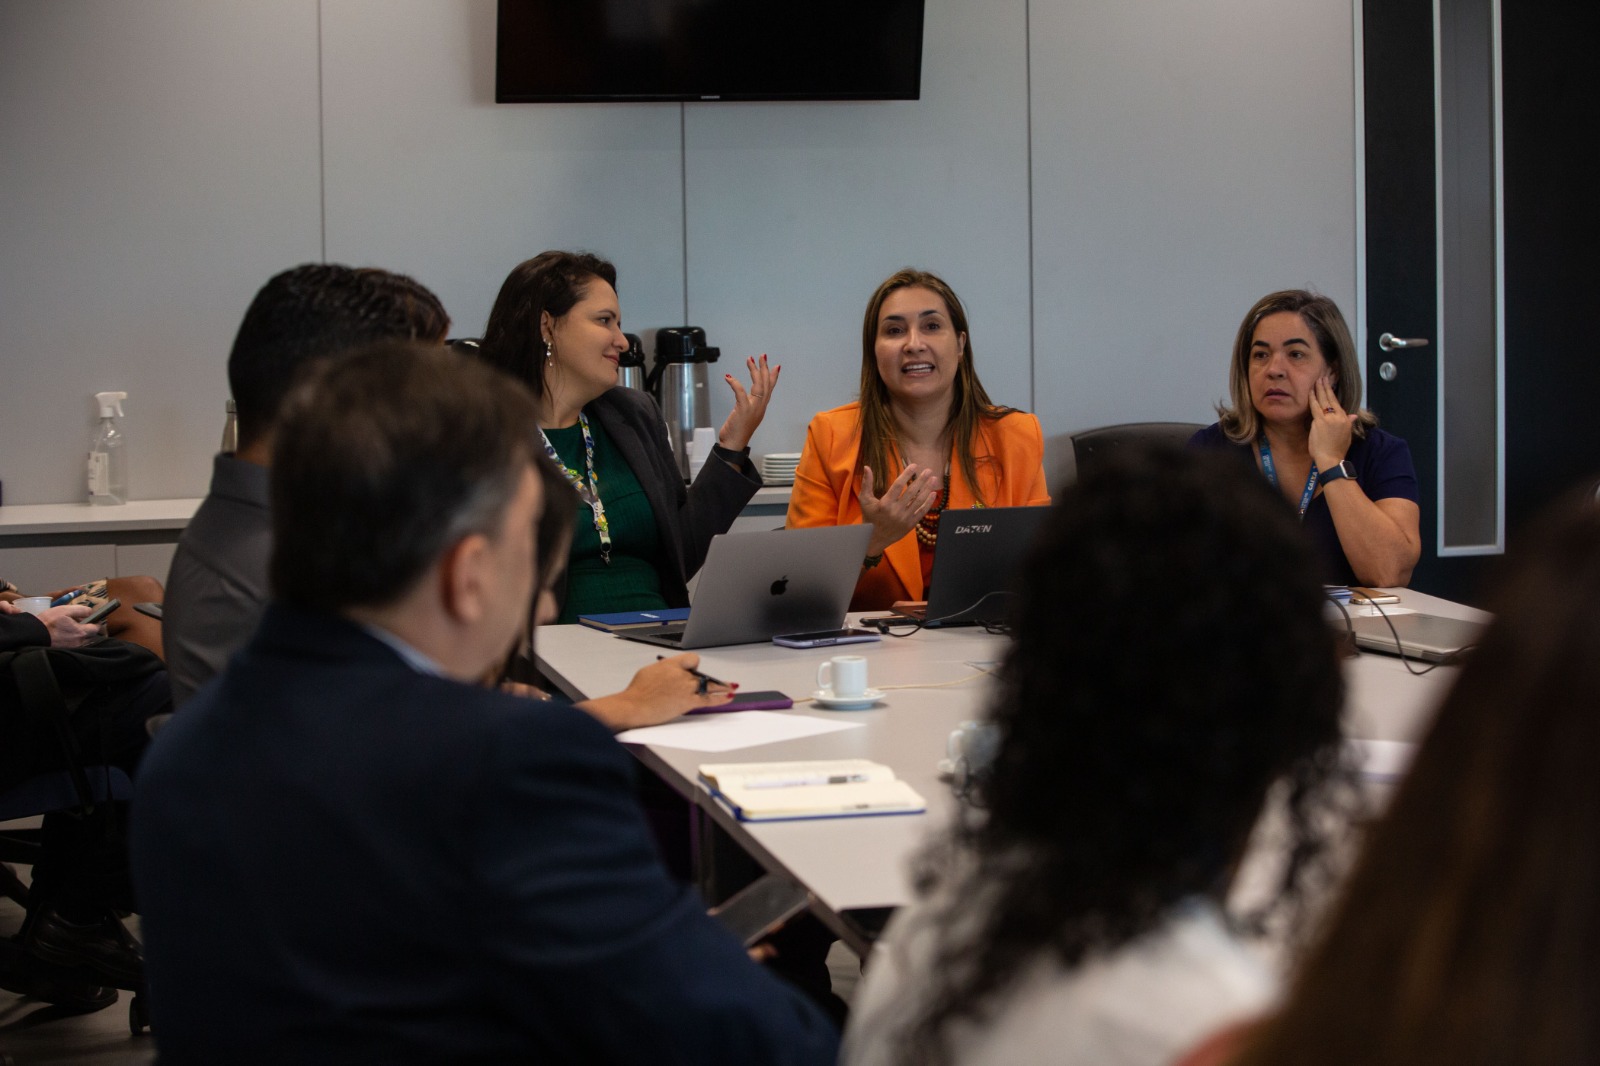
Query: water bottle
column 108, row 453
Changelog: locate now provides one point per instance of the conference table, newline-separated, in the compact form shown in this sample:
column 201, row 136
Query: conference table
column 857, row 870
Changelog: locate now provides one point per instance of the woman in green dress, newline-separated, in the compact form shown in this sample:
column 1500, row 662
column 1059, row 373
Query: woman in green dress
column 640, row 533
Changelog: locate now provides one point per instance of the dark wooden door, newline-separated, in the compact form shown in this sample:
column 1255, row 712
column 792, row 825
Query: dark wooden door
column 1542, row 434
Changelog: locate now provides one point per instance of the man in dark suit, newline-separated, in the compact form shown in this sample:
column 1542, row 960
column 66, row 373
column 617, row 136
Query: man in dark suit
column 347, row 851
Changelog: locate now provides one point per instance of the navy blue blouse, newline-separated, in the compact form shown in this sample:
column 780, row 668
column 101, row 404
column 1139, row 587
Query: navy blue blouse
column 1383, row 467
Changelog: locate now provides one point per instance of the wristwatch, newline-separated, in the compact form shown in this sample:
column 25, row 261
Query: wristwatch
column 1340, row 469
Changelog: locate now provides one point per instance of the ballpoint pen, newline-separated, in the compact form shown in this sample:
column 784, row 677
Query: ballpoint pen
column 706, row 680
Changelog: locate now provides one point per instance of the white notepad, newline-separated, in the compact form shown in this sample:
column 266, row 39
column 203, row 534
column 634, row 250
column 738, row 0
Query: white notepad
column 827, row 788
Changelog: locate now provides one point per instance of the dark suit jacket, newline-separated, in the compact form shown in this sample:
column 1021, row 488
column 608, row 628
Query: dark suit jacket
column 686, row 518
column 341, row 860
column 22, row 631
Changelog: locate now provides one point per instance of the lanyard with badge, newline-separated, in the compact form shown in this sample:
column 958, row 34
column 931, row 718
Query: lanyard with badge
column 589, row 492
column 1272, row 476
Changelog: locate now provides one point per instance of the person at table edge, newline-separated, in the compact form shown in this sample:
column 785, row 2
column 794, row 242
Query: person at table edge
column 556, row 326
column 923, row 427
column 1295, row 385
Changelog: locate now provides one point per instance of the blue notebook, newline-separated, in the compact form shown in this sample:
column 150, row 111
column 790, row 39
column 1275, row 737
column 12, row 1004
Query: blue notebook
column 610, row 623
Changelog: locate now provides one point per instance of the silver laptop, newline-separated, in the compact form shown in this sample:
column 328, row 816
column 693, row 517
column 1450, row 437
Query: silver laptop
column 978, row 553
column 1428, row 637
column 756, row 586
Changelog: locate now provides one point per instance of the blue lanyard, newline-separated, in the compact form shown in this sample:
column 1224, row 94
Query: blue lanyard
column 1272, row 476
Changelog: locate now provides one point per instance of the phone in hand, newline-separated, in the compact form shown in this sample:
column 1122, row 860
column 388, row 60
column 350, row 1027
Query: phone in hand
column 98, row 615
column 761, row 907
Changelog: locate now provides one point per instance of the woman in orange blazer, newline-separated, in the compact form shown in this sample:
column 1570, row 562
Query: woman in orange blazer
column 925, row 426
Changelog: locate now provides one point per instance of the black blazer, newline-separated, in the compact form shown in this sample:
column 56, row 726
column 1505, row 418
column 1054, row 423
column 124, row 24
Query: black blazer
column 22, row 631
column 341, row 860
column 686, row 518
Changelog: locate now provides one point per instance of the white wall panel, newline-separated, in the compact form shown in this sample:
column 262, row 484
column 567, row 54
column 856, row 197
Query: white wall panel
column 1188, row 158
column 160, row 163
column 427, row 175
column 162, row 159
column 797, row 211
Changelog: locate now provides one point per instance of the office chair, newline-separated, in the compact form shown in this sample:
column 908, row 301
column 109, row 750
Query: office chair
column 1093, row 446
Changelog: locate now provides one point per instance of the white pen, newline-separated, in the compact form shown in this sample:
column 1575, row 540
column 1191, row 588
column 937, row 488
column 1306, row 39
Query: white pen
column 809, row 779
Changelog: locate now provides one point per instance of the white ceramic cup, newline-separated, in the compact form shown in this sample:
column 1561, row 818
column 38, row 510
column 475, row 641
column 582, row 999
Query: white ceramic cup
column 843, row 676
column 34, row 604
column 959, row 740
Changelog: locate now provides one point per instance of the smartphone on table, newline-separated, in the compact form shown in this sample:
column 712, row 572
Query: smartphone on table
column 826, row 638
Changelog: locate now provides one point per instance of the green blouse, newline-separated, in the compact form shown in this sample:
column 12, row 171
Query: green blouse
column 630, row 581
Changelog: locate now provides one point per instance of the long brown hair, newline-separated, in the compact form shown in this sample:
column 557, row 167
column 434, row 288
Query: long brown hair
column 1240, row 422
column 970, row 406
column 1470, row 931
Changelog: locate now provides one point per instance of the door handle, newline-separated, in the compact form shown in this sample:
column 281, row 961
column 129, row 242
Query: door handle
column 1389, row 342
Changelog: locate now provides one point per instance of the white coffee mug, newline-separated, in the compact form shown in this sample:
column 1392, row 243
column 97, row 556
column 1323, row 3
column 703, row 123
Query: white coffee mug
column 34, row 604
column 843, row 676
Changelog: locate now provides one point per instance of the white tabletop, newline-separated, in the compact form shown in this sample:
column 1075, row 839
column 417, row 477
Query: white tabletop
column 847, row 863
column 851, row 863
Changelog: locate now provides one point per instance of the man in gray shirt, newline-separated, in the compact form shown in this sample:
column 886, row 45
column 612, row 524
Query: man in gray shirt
column 217, row 587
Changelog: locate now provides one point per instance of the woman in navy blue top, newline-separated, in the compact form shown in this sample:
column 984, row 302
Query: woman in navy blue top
column 1295, row 385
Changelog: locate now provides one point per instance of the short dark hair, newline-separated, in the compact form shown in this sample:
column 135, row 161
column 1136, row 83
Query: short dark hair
column 1139, row 736
column 384, row 459
column 314, row 311
column 551, row 281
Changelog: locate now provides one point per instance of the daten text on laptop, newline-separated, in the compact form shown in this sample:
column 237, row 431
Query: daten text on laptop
column 975, row 565
column 755, row 586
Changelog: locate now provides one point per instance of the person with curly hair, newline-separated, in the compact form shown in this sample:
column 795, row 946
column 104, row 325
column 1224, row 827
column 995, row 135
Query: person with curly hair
column 1469, row 932
column 1074, row 913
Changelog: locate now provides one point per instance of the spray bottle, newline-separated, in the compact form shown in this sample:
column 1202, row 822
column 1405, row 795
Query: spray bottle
column 108, row 454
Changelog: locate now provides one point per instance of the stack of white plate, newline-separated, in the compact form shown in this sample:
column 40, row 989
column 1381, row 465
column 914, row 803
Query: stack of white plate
column 777, row 468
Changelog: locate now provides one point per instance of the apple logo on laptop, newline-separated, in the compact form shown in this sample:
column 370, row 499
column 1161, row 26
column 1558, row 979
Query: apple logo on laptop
column 780, row 586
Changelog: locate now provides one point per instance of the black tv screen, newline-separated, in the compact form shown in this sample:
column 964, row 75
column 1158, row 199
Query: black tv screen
column 587, row 50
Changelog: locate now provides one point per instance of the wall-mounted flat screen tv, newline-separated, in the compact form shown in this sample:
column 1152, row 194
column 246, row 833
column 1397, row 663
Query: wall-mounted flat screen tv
column 587, row 50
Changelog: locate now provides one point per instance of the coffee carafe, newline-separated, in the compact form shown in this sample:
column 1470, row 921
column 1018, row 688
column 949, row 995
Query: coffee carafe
column 679, row 381
column 630, row 367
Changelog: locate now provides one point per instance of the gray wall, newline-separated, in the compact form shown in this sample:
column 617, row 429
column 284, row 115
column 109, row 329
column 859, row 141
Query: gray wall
column 1107, row 186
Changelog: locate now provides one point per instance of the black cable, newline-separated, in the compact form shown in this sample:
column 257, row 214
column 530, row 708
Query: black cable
column 1399, row 646
column 911, row 625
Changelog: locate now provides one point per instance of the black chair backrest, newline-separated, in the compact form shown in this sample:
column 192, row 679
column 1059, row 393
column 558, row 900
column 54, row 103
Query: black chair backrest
column 1096, row 445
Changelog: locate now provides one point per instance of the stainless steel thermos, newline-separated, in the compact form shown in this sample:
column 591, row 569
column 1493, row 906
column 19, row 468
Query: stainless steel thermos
column 680, row 383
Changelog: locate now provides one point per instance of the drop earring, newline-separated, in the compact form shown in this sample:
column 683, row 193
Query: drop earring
column 549, row 355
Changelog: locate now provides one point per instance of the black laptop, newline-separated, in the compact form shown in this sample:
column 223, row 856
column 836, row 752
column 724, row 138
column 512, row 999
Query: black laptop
column 976, row 558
